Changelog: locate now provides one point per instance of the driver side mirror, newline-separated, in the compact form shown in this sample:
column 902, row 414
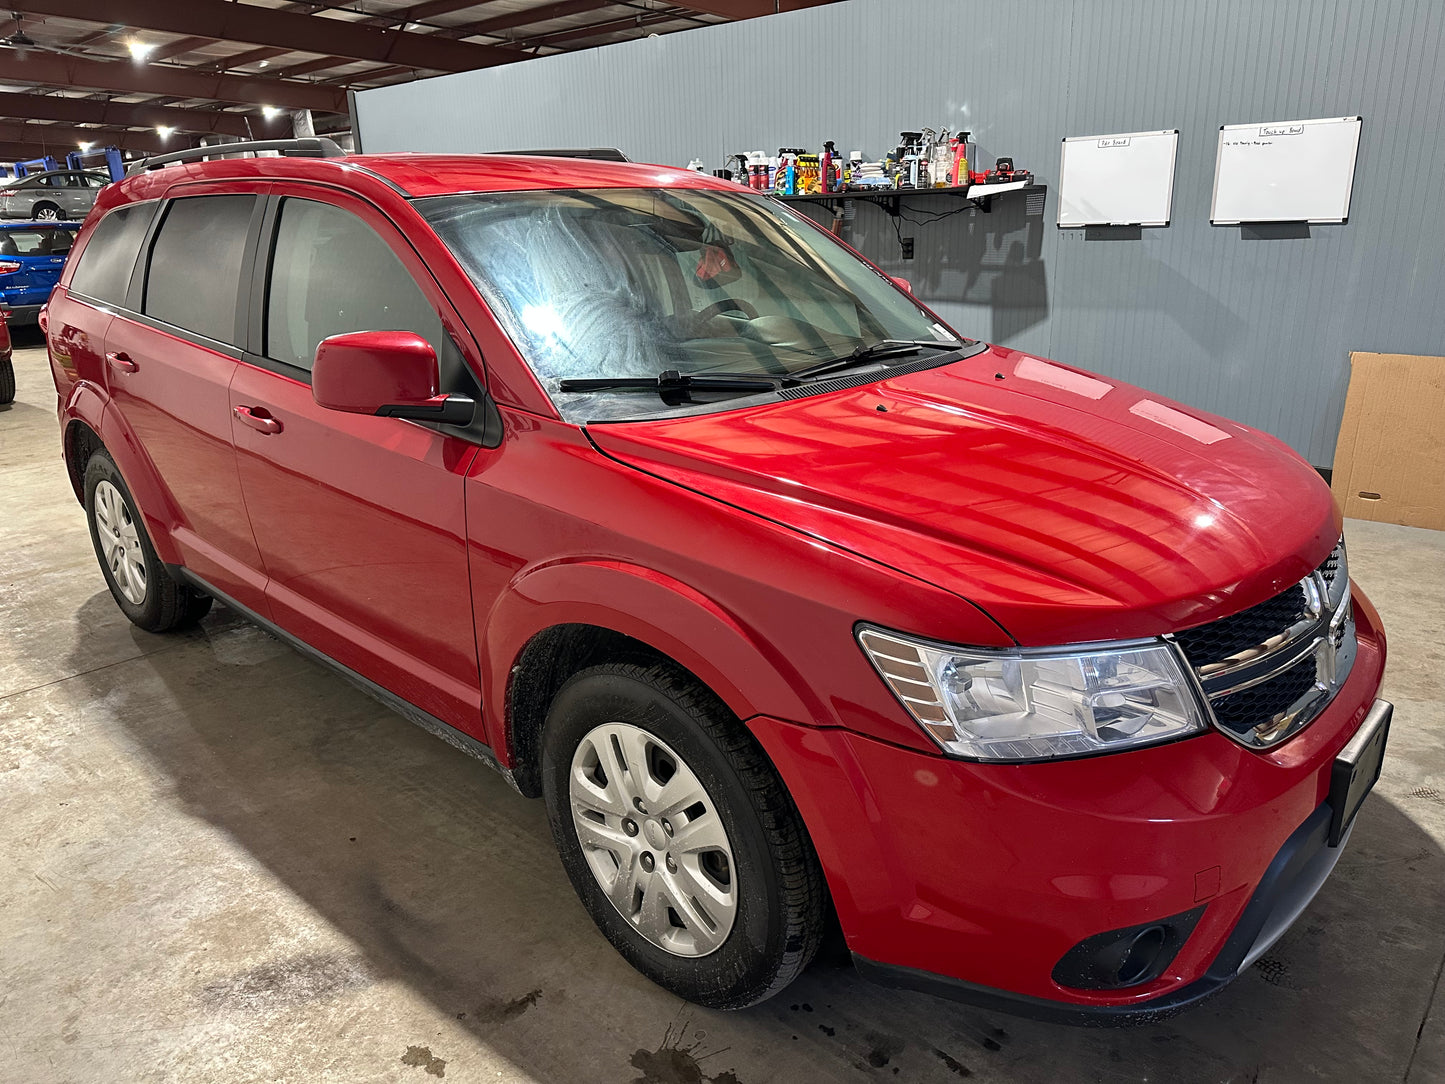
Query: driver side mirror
column 392, row 374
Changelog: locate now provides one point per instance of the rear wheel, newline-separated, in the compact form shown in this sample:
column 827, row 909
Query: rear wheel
column 138, row 581
column 47, row 212
column 7, row 381
column 678, row 835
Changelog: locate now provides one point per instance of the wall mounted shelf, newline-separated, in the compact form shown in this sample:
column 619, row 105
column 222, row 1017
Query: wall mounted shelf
column 891, row 199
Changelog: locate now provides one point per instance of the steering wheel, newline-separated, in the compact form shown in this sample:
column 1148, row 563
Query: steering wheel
column 717, row 308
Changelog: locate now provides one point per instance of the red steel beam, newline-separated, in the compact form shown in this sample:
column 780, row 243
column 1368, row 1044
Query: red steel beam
column 142, row 115
column 254, row 25
column 125, row 77
column 527, row 17
column 60, row 140
column 748, row 9
column 177, row 48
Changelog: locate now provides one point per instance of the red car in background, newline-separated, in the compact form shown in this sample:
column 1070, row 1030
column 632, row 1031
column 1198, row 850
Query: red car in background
column 7, row 364
column 785, row 597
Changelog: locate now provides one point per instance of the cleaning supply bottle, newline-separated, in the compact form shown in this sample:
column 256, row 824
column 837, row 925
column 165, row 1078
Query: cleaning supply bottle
column 825, row 167
column 959, row 174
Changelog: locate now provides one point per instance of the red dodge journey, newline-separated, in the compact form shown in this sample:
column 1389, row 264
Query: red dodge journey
column 792, row 603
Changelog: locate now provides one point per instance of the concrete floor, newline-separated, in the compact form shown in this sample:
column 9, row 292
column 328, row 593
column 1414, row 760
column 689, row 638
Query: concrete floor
column 219, row 862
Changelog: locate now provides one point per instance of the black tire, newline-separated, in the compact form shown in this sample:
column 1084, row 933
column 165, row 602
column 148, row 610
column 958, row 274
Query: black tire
column 167, row 603
column 781, row 898
column 7, row 381
column 38, row 214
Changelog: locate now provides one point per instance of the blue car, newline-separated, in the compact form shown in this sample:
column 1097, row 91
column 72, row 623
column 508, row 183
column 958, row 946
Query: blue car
column 31, row 256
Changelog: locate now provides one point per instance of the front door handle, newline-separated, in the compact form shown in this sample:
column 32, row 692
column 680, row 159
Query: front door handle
column 258, row 419
column 121, row 361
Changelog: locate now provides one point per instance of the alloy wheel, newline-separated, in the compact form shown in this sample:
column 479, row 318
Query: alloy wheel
column 653, row 839
column 120, row 542
column 47, row 214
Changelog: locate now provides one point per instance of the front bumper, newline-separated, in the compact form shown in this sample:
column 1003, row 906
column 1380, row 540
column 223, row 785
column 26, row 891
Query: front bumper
column 974, row 880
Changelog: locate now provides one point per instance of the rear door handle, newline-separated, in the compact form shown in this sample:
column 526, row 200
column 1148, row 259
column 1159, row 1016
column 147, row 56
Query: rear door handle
column 121, row 362
column 258, row 419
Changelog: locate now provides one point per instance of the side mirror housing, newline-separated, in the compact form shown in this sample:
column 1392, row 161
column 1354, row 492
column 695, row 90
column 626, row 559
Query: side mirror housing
column 392, row 374
column 902, row 283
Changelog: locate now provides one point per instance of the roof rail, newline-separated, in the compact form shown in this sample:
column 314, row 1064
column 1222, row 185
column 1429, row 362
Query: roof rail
column 605, row 154
column 315, row 147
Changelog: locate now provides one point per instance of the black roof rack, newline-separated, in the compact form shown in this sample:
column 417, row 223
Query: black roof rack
column 315, row 147
column 605, row 154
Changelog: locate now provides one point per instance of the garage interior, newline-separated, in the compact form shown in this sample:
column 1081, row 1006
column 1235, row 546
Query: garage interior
column 223, row 862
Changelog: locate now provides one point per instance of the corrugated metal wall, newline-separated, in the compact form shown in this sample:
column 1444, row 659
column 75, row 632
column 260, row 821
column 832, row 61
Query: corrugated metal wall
column 1256, row 324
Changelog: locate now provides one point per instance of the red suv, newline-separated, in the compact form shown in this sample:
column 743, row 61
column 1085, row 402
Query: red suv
column 786, row 598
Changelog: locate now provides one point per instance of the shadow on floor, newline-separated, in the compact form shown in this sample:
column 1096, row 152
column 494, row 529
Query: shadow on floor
column 446, row 880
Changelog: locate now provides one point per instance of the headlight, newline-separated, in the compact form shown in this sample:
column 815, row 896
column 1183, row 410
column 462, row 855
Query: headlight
column 1031, row 704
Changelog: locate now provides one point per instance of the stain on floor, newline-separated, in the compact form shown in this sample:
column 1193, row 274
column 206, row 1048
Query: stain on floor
column 422, row 1058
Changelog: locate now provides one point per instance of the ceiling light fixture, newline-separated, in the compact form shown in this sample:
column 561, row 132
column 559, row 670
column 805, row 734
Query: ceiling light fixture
column 139, row 50
column 164, row 131
column 263, row 63
column 85, row 147
column 270, row 112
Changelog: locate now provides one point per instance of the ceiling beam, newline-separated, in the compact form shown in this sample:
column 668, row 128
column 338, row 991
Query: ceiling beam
column 60, row 139
column 179, row 47
column 241, row 60
column 748, row 9
column 254, row 25
column 125, row 77
column 592, row 30
column 527, row 17
column 142, row 115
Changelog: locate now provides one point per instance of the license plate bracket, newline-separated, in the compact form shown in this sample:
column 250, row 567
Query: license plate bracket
column 1357, row 768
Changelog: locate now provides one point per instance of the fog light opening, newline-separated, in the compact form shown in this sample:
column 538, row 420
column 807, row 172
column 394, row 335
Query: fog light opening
column 1139, row 958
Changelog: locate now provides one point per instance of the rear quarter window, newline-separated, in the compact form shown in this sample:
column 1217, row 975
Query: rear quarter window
column 195, row 264
column 109, row 258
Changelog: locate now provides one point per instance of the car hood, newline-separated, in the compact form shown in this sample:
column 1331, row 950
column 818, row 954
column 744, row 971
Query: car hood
column 1069, row 507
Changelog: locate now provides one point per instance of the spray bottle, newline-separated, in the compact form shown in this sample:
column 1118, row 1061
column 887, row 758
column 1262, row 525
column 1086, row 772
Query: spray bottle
column 826, row 181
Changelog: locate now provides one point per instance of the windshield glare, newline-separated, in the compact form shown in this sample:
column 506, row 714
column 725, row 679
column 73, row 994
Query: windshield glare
column 627, row 282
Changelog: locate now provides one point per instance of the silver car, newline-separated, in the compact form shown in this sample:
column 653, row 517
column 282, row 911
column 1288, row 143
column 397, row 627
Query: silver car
column 52, row 195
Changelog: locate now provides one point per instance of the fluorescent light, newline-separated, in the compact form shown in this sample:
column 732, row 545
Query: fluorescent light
column 270, row 112
column 164, row 131
column 139, row 49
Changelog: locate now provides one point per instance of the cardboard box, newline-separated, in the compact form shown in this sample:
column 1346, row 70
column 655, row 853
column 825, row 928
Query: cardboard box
column 1390, row 458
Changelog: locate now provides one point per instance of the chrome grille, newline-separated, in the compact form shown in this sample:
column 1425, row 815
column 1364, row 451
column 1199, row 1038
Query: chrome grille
column 1269, row 670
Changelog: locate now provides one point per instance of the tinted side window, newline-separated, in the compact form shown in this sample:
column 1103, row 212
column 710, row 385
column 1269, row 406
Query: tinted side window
column 105, row 266
column 195, row 266
column 331, row 273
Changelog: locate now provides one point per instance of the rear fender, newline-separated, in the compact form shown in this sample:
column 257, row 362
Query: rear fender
column 665, row 614
column 88, row 405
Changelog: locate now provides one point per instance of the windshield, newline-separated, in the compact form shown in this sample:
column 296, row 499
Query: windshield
column 36, row 241
column 627, row 282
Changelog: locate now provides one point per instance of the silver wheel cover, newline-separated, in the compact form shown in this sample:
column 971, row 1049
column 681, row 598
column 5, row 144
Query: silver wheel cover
column 120, row 542
column 654, row 840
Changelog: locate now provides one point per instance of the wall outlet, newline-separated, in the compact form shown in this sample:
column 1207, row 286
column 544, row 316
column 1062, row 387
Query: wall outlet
column 907, row 244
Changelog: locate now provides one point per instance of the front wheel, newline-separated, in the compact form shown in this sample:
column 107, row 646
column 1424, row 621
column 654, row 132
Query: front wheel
column 678, row 835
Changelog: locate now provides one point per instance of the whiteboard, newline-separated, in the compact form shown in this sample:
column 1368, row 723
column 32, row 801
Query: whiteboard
column 1117, row 180
column 1285, row 171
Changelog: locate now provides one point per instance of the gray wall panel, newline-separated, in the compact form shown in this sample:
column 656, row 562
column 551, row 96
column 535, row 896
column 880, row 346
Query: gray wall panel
column 1246, row 323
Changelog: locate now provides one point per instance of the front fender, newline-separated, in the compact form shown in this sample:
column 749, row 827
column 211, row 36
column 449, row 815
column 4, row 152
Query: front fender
column 671, row 617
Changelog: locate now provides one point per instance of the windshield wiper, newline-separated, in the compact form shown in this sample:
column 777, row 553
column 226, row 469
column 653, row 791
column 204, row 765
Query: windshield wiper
column 670, row 383
column 865, row 355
